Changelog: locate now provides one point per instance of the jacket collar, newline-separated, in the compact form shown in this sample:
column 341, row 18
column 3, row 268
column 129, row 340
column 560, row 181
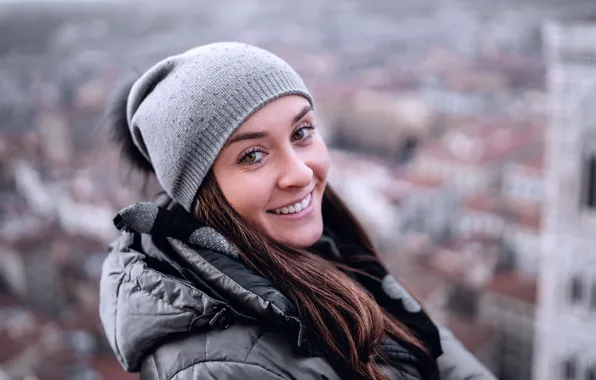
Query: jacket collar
column 203, row 257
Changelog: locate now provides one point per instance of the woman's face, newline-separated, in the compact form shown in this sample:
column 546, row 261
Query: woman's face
column 273, row 172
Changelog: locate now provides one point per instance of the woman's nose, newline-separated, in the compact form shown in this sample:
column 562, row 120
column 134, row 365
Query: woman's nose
column 295, row 173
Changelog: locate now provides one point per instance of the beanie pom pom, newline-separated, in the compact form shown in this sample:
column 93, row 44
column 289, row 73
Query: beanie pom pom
column 117, row 128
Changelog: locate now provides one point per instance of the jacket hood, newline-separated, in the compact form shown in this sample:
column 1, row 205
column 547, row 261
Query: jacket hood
column 146, row 295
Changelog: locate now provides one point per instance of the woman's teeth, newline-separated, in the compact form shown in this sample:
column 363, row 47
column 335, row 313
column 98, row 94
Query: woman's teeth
column 297, row 207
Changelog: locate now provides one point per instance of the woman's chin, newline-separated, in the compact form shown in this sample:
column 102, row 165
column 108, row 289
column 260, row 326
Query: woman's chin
column 301, row 236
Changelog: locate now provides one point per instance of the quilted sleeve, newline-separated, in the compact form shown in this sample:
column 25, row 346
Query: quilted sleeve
column 225, row 370
column 457, row 363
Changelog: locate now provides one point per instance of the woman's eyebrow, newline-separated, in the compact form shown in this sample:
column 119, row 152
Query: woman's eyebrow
column 306, row 109
column 247, row 136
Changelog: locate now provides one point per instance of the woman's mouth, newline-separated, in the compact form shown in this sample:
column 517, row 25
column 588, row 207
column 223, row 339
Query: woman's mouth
column 296, row 210
column 296, row 207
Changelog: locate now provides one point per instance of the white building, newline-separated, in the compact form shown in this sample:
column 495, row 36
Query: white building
column 480, row 216
column 522, row 190
column 566, row 312
column 523, row 182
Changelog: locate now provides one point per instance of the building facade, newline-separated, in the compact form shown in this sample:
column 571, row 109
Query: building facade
column 566, row 313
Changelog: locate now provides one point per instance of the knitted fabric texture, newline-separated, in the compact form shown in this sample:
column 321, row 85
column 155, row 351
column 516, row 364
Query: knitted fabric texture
column 182, row 111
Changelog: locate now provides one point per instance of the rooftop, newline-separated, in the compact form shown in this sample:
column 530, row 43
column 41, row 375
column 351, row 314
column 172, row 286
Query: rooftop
column 10, row 347
column 349, row 162
column 525, row 216
column 422, row 285
column 482, row 143
column 394, row 184
column 406, row 183
column 512, row 284
column 109, row 368
column 462, row 260
column 19, row 328
column 484, row 201
column 473, row 334
column 418, row 181
column 534, row 165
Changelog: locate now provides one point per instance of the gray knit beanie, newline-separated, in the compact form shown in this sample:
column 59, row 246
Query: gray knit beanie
column 181, row 111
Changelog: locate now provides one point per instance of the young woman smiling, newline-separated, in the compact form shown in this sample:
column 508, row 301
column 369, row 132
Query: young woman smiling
column 249, row 265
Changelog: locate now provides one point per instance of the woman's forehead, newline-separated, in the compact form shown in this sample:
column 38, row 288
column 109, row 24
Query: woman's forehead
column 281, row 112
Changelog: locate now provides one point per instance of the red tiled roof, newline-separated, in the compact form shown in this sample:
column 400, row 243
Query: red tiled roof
column 532, row 222
column 418, row 180
column 529, row 217
column 534, row 165
column 109, row 369
column 432, row 267
column 84, row 320
column 355, row 161
column 450, row 262
column 407, row 183
column 419, row 283
column 13, row 346
column 332, row 92
column 512, row 284
column 482, row 144
column 473, row 334
column 7, row 300
column 9, row 347
column 53, row 365
column 484, row 201
column 461, row 243
column 15, row 340
column 525, row 216
column 521, row 70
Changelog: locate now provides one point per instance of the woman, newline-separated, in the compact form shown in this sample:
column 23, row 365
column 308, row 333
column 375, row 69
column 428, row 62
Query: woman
column 250, row 266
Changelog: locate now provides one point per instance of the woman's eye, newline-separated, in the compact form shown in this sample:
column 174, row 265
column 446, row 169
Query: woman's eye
column 252, row 157
column 303, row 133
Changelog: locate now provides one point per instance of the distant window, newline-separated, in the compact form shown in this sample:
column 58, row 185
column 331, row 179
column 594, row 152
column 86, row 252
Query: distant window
column 408, row 149
column 589, row 183
column 593, row 298
column 570, row 369
column 577, row 57
column 576, row 289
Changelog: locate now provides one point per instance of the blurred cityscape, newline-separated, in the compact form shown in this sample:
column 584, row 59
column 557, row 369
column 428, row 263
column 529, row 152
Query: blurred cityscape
column 462, row 134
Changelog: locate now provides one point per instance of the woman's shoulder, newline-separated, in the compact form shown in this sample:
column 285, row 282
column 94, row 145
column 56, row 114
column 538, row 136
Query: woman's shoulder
column 243, row 350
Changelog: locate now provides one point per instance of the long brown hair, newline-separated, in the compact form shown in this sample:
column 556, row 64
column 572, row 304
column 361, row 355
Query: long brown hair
column 346, row 320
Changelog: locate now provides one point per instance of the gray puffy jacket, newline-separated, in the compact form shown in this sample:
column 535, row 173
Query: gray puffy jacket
column 197, row 313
